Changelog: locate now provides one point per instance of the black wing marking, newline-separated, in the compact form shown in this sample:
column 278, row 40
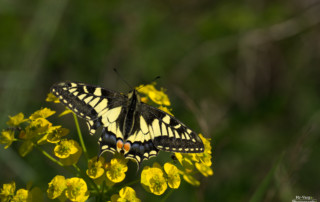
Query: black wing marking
column 168, row 133
column 89, row 102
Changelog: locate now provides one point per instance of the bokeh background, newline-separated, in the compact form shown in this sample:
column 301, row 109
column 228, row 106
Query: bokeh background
column 243, row 73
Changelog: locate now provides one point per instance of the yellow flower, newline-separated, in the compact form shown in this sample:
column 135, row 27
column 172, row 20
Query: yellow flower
column 207, row 147
column 191, row 180
column 204, row 163
column 7, row 137
column 77, row 189
column 65, row 112
column 201, row 161
column 69, row 152
column 186, row 161
column 56, row 187
column 55, row 133
column 173, row 175
column 22, row 195
column 37, row 126
column 153, row 180
column 206, row 143
column 42, row 113
column 145, row 89
column 65, row 148
column 116, row 169
column 16, row 120
column 204, row 169
column 52, row 98
column 158, row 97
column 165, row 109
column 7, row 191
column 95, row 169
column 125, row 194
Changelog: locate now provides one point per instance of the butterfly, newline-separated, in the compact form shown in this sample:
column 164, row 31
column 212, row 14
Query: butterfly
column 135, row 129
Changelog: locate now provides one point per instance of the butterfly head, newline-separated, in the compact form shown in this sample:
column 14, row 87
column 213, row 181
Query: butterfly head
column 134, row 95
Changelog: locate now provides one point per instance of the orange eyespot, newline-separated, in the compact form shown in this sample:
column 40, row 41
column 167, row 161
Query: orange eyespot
column 119, row 144
column 127, row 146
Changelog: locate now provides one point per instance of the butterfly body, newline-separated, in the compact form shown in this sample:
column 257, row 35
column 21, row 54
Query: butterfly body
column 130, row 126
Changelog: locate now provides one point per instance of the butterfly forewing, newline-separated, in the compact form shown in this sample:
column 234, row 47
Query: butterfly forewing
column 89, row 102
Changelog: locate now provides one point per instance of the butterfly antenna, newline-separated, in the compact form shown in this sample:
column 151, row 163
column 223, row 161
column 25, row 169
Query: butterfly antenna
column 153, row 80
column 116, row 71
column 157, row 77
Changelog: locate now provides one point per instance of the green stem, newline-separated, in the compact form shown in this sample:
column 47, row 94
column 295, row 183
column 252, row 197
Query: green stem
column 102, row 190
column 85, row 154
column 167, row 195
column 131, row 183
column 53, row 159
column 80, row 136
column 77, row 168
column 49, row 156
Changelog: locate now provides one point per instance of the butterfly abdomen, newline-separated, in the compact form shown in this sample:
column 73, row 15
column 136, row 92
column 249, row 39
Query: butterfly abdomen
column 133, row 104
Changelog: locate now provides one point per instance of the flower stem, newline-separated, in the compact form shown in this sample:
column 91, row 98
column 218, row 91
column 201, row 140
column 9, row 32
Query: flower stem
column 167, row 195
column 54, row 160
column 80, row 136
column 102, row 189
column 77, row 168
column 49, row 156
column 131, row 183
column 85, row 153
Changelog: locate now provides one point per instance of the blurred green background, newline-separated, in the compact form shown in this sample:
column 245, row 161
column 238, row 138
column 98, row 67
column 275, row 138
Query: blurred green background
column 243, row 73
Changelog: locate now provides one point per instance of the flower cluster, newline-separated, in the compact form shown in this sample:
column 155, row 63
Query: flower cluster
column 200, row 161
column 156, row 181
column 111, row 172
column 74, row 189
column 32, row 131
column 125, row 194
column 8, row 193
column 154, row 96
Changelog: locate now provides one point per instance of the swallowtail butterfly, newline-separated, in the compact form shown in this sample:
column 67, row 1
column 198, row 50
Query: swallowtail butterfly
column 130, row 126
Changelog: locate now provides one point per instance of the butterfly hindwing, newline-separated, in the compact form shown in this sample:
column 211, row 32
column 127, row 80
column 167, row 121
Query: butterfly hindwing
column 142, row 147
